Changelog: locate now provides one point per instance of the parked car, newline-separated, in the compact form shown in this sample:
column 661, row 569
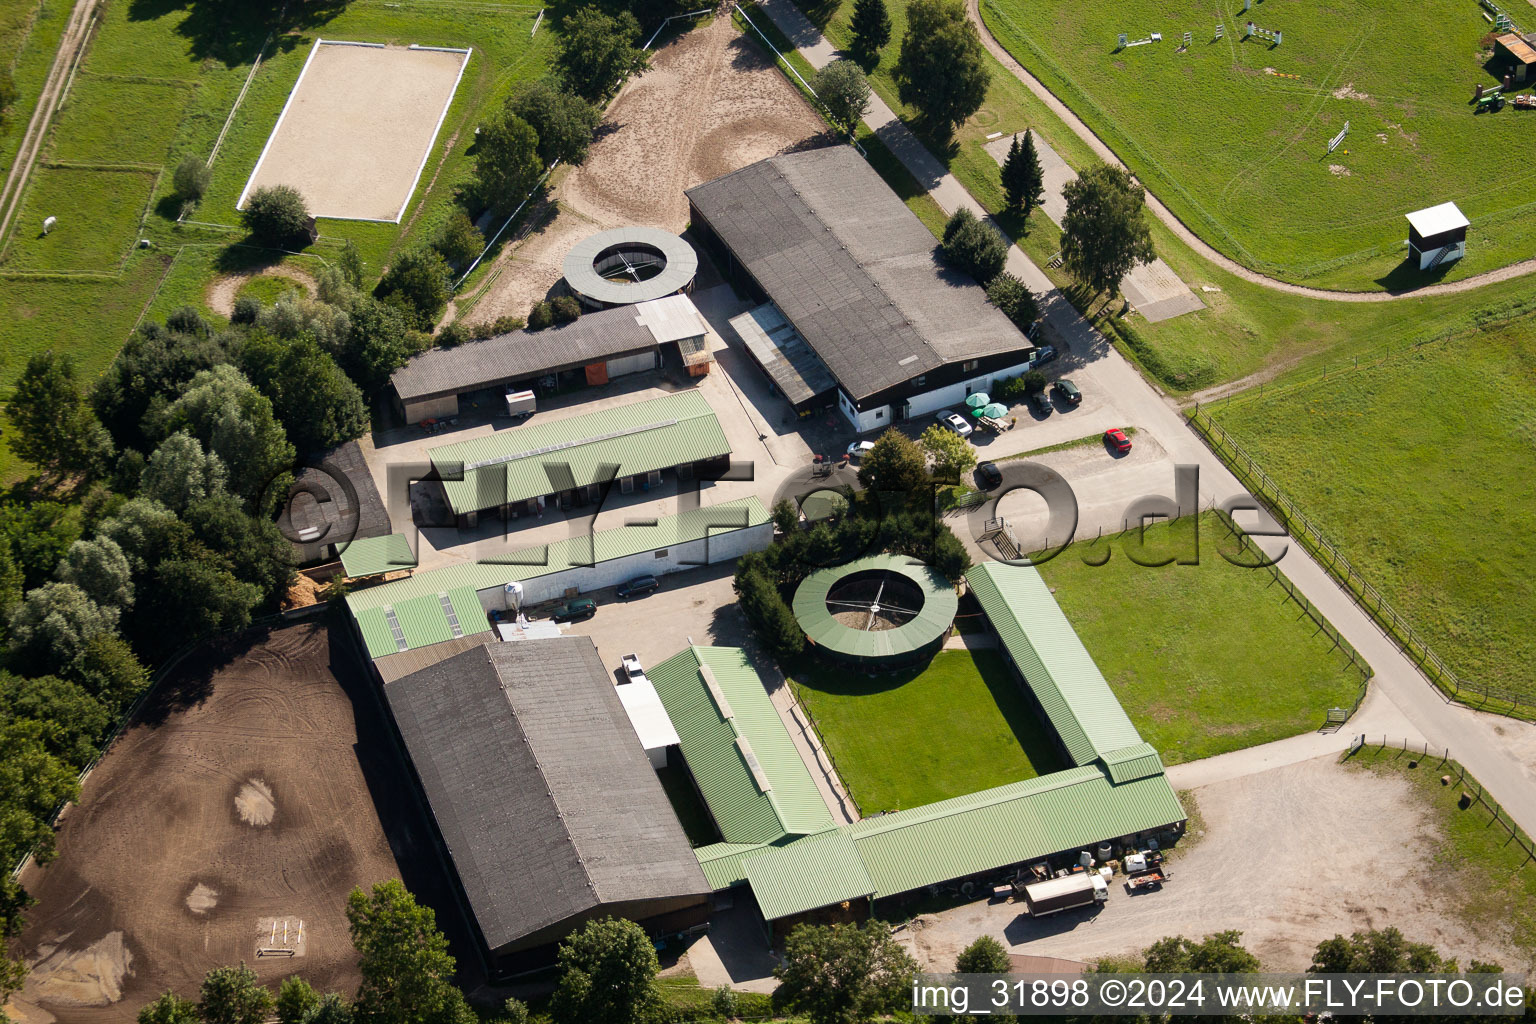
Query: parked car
column 1116, row 439
column 859, row 449
column 570, row 611
column 1042, row 403
column 638, row 586
column 1033, row 332
column 954, row 421
column 1067, row 392
column 1044, row 354
column 633, row 672
column 988, row 475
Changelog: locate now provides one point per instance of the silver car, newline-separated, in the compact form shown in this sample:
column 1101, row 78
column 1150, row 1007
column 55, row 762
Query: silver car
column 954, row 421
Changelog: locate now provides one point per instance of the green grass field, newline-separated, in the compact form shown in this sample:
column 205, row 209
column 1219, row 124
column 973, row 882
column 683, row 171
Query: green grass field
column 98, row 215
column 1487, row 875
column 1238, row 150
column 1420, row 469
column 158, row 84
column 958, row 725
column 1246, row 327
column 1204, row 658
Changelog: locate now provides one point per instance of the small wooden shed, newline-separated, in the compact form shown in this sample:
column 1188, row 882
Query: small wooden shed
column 1515, row 56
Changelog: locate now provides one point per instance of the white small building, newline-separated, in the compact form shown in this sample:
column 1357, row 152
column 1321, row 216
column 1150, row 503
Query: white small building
column 1437, row 235
column 650, row 719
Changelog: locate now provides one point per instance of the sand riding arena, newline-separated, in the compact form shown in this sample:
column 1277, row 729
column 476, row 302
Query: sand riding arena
column 358, row 127
column 227, row 824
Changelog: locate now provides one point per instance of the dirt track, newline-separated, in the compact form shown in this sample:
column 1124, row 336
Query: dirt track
column 246, row 793
column 710, row 104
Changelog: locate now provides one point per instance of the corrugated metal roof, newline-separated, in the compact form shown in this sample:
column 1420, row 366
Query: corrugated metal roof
column 1131, row 763
column 422, row 621
column 1037, row 636
column 778, row 348
column 722, row 862
column 1021, row 821
column 933, row 618
column 543, row 796
column 542, row 560
column 812, row 872
column 370, row 556
column 517, row 464
column 710, row 737
column 522, row 355
column 851, row 268
column 680, row 265
column 673, row 318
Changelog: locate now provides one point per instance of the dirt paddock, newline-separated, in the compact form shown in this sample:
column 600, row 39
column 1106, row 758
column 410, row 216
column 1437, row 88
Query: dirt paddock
column 358, row 126
column 257, row 789
column 712, row 103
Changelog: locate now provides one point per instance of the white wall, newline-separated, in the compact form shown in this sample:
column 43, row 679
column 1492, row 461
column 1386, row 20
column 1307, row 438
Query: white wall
column 720, row 547
column 951, row 396
column 877, row 418
column 636, row 363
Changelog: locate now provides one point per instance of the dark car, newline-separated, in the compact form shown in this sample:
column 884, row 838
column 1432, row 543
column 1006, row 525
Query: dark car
column 1067, row 391
column 1044, row 354
column 639, row 585
column 581, row 608
column 988, row 475
column 1042, row 403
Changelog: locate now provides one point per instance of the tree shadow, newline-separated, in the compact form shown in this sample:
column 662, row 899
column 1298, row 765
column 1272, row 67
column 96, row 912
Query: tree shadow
column 232, row 33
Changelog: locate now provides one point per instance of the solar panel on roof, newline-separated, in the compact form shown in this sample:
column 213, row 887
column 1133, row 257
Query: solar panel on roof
column 394, row 627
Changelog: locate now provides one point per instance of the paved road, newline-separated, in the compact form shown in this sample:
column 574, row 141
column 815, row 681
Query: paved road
column 1193, row 240
column 1500, row 752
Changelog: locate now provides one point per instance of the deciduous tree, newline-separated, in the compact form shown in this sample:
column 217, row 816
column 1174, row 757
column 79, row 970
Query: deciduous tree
column 170, row 1009
column 973, row 246
column 563, row 121
column 1104, row 233
column 318, row 405
column 99, row 567
column 845, row 91
column 607, row 975
column 407, row 970
column 417, row 285
column 506, row 160
column 984, row 956
column 275, row 214
column 53, row 625
column 1221, row 953
column 894, row 464
column 233, row 995
column 942, row 70
column 458, row 240
column 596, row 50
column 180, row 472
column 51, row 426
column 952, row 454
column 842, row 974
column 225, row 411
column 1010, row 295
column 192, row 178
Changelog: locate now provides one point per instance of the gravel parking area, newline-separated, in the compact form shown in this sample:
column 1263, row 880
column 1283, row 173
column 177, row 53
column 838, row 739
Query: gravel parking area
column 1289, row 857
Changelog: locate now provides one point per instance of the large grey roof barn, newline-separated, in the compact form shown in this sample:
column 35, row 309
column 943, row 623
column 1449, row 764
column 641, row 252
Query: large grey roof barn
column 851, row 268
column 542, row 793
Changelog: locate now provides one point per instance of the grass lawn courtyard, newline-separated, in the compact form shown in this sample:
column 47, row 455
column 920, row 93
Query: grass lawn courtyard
column 1204, row 658
column 955, row 726
column 1420, row 468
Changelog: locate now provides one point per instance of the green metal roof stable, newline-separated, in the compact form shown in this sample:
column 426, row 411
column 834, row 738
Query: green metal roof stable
column 997, row 827
column 722, row 861
column 1045, row 648
column 739, row 752
column 980, row 832
column 543, row 560
column 371, row 556
column 812, row 872
column 935, row 615
column 420, row 620
column 1131, row 763
column 526, row 462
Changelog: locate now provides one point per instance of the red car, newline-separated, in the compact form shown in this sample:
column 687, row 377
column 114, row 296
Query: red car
column 1116, row 439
